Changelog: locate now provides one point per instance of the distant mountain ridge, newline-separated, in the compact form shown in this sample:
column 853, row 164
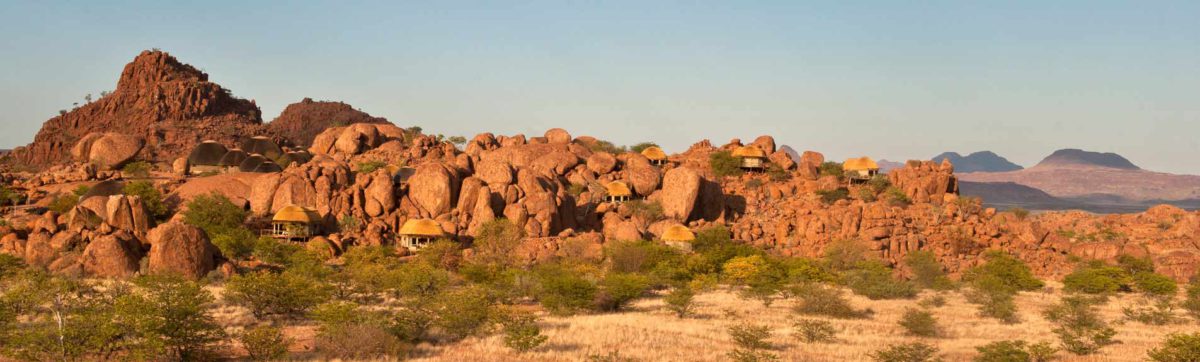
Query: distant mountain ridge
column 982, row 161
column 1076, row 158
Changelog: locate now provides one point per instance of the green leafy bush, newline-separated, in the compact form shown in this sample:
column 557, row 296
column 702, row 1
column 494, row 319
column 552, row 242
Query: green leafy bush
column 1156, row 311
column 831, row 196
column 919, row 323
column 650, row 211
column 264, row 343
column 1155, row 284
column 776, row 173
column 1019, row 213
column 370, row 166
column 564, row 291
column 213, row 213
column 1177, row 347
column 933, row 301
column 359, row 342
column 830, row 168
column 815, row 331
column 751, row 341
column 1002, row 273
column 139, row 169
column 874, row 280
column 1191, row 301
column 617, row 290
column 927, row 272
column 1078, row 325
column 680, row 300
column 496, row 242
column 151, row 198
column 462, row 312
column 1015, row 351
column 1096, row 278
column 897, row 197
column 907, row 352
column 168, row 315
column 724, row 164
column 283, row 294
column 818, row 299
column 642, row 146
column 521, row 332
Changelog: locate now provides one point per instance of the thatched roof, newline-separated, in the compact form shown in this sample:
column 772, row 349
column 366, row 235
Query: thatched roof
column 860, row 164
column 263, row 146
column 293, row 213
column 654, row 153
column 618, row 188
column 233, row 158
column 678, row 233
column 207, row 153
column 749, row 151
column 421, row 227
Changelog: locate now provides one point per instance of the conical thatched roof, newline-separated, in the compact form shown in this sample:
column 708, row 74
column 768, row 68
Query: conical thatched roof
column 263, row 146
column 207, row 153
column 860, row 164
column 749, row 151
column 293, row 213
column 233, row 158
column 618, row 188
column 654, row 153
column 678, row 233
column 421, row 227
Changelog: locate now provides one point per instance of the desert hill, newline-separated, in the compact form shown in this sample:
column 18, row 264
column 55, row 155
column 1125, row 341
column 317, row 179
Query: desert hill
column 168, row 104
column 982, row 161
column 301, row 122
column 1076, row 158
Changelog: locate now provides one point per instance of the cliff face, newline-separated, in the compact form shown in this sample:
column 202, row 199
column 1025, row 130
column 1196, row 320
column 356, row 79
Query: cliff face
column 301, row 122
column 170, row 104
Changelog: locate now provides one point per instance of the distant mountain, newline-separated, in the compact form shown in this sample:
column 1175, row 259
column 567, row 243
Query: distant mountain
column 1007, row 195
column 982, row 161
column 1075, row 158
column 885, row 165
column 1097, row 178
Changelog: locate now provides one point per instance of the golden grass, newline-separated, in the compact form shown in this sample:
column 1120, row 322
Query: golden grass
column 648, row 332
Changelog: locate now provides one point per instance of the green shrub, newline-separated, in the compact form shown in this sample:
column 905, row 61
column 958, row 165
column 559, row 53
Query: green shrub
column 933, row 301
column 462, row 312
column 908, row 352
column 751, row 341
column 497, row 242
column 359, row 342
column 349, row 224
column 1191, row 301
column 845, row 254
column 830, row 168
column 1002, row 273
column 63, row 204
column 897, row 197
column 273, row 251
column 1078, row 325
column 680, row 300
column 1019, row 213
column 213, row 213
column 617, row 290
column 370, row 166
column 442, row 253
column 1178, row 347
column 1097, row 278
column 994, row 302
column 724, row 164
column 415, row 280
column 874, row 280
column 521, row 332
column 236, row 243
column 606, row 146
column 1015, row 351
column 563, row 291
column 1134, row 265
column 927, row 272
column 805, row 270
column 168, row 316
column 650, row 211
column 831, row 196
column 919, row 323
column 264, row 343
column 642, row 146
column 818, row 299
column 815, row 331
column 137, row 169
column 1155, row 284
column 777, row 173
column 283, row 294
column 1156, row 311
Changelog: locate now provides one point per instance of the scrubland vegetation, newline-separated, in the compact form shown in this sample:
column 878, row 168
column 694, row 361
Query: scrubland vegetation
column 639, row 300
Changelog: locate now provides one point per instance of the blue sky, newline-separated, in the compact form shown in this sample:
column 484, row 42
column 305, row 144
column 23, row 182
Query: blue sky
column 888, row 79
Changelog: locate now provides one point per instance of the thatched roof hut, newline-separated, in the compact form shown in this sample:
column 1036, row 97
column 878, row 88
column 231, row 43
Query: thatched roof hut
column 207, row 153
column 233, row 158
column 263, row 146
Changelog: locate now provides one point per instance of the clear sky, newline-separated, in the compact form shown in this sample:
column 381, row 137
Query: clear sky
column 889, row 79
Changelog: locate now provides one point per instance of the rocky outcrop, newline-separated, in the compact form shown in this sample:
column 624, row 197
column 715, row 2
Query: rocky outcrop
column 355, row 139
column 176, row 247
column 170, row 105
column 107, row 150
column 301, row 122
column 681, row 188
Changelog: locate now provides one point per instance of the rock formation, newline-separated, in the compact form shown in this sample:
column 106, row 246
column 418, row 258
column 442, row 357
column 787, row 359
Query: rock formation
column 302, row 122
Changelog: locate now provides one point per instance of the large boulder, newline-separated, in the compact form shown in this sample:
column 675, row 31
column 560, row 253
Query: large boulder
column 107, row 150
column 432, row 188
column 681, row 188
column 494, row 172
column 180, row 248
column 557, row 135
column 110, row 256
column 601, row 162
column 643, row 176
column 766, row 143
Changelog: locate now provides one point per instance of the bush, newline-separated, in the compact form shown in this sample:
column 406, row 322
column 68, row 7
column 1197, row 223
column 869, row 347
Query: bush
column 994, row 303
column 63, row 204
column 1191, row 301
column 563, row 291
column 845, row 254
column 818, row 299
column 442, row 253
column 496, row 242
column 679, row 300
column 831, row 196
column 642, row 146
column 1155, row 284
column 874, row 280
column 1178, row 347
column 370, row 166
column 897, row 197
column 359, row 341
column 908, row 352
column 1002, row 273
column 927, row 271
column 1015, row 351
column 724, row 164
column 284, row 294
column 1078, row 325
column 264, row 343
column 650, row 211
column 236, row 243
column 830, row 168
column 619, row 289
column 777, row 173
column 1156, row 311
column 751, row 341
column 933, row 301
column 1019, row 213
column 521, row 332
column 462, row 312
column 214, row 213
column 169, row 316
column 273, row 251
column 1097, row 278
column 919, row 323
column 815, row 331
column 136, row 169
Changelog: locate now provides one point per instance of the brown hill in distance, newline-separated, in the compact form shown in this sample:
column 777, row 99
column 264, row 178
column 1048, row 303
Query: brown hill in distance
column 982, row 161
column 171, row 105
column 301, row 122
column 1075, row 158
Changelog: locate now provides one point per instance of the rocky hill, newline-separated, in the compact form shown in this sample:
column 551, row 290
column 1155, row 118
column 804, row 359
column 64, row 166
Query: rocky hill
column 1087, row 176
column 982, row 161
column 169, row 105
column 301, row 122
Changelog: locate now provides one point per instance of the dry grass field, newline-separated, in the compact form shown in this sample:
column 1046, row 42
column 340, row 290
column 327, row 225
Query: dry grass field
column 649, row 332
